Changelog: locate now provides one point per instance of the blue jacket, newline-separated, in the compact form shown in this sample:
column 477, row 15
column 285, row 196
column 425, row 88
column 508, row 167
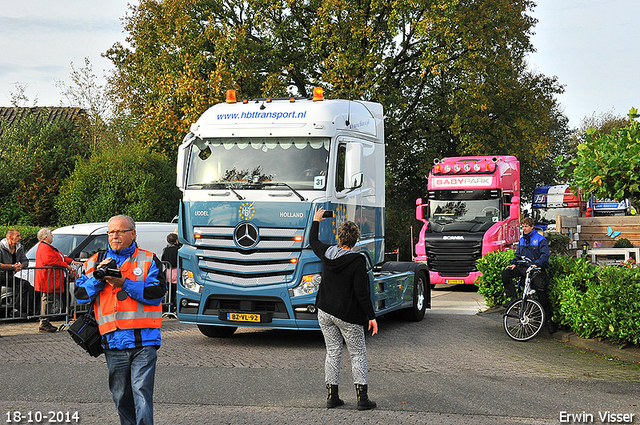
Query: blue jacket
column 151, row 291
column 535, row 247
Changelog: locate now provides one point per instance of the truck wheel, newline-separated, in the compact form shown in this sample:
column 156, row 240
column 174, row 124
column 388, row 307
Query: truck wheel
column 416, row 312
column 217, row 331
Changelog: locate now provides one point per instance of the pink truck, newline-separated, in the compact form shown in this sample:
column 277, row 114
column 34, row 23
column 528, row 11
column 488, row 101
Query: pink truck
column 473, row 208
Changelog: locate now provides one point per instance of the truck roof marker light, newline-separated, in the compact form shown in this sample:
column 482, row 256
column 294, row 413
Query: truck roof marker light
column 245, row 101
column 292, row 99
column 318, row 94
column 268, row 100
column 231, row 96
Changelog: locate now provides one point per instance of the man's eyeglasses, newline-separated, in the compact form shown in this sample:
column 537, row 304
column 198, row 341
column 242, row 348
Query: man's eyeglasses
column 118, row 232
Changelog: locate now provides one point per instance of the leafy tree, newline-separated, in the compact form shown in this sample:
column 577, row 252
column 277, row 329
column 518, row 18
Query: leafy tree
column 131, row 180
column 603, row 123
column 445, row 72
column 608, row 164
column 35, row 157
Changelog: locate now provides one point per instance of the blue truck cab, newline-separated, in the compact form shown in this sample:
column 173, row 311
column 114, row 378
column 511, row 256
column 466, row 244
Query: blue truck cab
column 252, row 174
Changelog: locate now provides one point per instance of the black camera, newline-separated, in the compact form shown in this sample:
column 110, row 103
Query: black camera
column 110, row 269
column 327, row 214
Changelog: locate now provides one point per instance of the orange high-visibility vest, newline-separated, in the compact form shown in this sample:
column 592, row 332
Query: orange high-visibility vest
column 110, row 312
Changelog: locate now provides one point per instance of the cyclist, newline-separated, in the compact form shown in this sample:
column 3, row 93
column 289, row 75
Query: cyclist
column 535, row 247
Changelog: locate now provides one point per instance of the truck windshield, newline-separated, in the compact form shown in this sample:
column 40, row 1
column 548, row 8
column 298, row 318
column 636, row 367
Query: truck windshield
column 300, row 162
column 463, row 215
column 548, row 215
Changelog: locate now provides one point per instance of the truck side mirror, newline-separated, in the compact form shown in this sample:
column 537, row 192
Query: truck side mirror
column 357, row 180
column 420, row 210
column 514, row 210
column 352, row 162
column 183, row 149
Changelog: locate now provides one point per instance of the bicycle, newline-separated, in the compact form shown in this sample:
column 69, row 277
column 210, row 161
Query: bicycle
column 523, row 319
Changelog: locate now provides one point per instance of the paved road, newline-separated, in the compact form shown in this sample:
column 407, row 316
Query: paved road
column 451, row 368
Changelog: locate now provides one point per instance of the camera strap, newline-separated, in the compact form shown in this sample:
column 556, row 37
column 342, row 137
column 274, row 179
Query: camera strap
column 122, row 294
column 101, row 256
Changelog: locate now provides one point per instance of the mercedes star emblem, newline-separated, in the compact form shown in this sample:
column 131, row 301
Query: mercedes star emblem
column 246, row 235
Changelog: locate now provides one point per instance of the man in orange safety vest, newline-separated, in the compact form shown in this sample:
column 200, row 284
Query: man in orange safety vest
column 127, row 288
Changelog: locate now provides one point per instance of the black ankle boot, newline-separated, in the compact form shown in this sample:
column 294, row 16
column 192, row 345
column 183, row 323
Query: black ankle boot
column 332, row 397
column 363, row 399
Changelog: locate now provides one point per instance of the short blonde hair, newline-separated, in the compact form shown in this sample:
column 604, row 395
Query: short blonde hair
column 43, row 233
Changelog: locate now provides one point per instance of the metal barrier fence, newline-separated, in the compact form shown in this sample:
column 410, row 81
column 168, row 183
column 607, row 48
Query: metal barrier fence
column 20, row 301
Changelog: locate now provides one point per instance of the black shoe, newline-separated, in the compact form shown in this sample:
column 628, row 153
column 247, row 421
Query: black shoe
column 551, row 327
column 48, row 328
column 363, row 399
column 332, row 397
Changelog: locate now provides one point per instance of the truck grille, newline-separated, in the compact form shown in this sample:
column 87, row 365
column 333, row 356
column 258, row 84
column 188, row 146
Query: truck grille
column 453, row 258
column 272, row 260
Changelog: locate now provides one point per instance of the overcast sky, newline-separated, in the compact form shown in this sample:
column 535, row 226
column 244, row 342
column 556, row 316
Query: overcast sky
column 590, row 45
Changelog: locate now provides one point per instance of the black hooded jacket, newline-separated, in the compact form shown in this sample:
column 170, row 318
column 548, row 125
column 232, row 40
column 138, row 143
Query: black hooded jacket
column 344, row 290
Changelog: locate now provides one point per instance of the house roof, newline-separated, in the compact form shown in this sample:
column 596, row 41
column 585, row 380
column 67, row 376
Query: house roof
column 11, row 115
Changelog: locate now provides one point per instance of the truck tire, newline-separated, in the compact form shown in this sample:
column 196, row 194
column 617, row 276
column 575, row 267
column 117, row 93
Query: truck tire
column 415, row 313
column 217, row 331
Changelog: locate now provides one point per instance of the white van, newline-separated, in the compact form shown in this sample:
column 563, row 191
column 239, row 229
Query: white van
column 81, row 241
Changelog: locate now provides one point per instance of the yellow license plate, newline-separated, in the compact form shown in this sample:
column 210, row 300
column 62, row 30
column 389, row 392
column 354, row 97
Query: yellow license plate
column 243, row 317
column 453, row 281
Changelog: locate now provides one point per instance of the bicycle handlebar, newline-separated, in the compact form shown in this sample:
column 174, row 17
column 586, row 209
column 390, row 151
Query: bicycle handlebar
column 524, row 261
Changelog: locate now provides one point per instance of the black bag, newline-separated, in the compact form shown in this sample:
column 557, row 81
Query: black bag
column 86, row 334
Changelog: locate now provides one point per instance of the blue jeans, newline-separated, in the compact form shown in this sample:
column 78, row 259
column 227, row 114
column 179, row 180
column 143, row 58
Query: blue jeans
column 131, row 378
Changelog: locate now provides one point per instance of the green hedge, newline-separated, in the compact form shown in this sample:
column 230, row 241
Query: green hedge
column 593, row 301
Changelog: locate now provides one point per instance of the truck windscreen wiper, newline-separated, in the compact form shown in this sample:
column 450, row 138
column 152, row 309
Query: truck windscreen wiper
column 223, row 186
column 302, row 198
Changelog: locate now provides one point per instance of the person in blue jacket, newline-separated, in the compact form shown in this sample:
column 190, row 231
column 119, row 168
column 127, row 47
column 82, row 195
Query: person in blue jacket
column 535, row 247
column 128, row 308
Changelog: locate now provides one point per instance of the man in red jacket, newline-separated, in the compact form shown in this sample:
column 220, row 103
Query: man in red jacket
column 50, row 281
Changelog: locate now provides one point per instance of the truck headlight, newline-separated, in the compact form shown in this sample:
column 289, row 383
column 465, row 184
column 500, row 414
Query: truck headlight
column 309, row 284
column 189, row 282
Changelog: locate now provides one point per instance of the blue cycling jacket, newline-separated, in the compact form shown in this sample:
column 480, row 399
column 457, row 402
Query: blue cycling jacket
column 535, row 247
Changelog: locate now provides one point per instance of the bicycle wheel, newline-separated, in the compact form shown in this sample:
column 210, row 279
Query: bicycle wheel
column 522, row 323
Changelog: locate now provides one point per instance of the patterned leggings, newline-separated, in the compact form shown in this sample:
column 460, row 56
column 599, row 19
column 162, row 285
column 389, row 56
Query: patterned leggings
column 335, row 331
